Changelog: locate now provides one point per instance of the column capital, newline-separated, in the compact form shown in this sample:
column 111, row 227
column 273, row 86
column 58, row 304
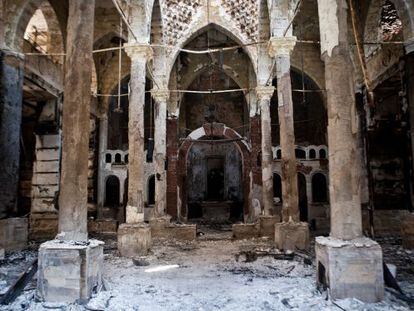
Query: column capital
column 137, row 50
column 281, row 46
column 265, row 92
column 160, row 95
column 409, row 46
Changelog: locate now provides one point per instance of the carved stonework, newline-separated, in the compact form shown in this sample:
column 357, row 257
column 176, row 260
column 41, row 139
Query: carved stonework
column 281, row 46
column 135, row 50
column 245, row 14
column 160, row 95
column 264, row 92
column 178, row 15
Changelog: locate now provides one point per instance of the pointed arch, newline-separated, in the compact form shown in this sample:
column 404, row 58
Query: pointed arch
column 187, row 38
column 19, row 20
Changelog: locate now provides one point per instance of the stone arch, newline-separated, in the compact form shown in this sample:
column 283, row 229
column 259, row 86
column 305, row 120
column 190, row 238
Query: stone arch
column 372, row 20
column 216, row 130
column 185, row 39
column 19, row 20
column 202, row 70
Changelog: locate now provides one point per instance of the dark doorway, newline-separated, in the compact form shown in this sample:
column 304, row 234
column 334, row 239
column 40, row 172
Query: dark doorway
column 112, row 192
column 303, row 198
column 215, row 179
column 151, row 190
column 277, row 187
column 319, row 188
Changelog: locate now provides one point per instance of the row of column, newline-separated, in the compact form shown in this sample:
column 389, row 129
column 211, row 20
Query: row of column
column 280, row 49
column 140, row 54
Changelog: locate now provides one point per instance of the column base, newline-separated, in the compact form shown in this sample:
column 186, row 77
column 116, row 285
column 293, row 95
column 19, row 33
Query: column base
column 13, row 234
column 163, row 228
column 407, row 232
column 290, row 236
column 245, row 231
column 69, row 272
column 351, row 269
column 134, row 240
column 267, row 225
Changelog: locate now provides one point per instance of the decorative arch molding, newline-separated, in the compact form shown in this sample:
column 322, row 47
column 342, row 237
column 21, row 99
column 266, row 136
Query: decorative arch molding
column 192, row 76
column 200, row 26
column 20, row 13
column 216, row 130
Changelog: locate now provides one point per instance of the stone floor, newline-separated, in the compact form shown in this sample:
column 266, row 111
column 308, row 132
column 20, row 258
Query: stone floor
column 212, row 274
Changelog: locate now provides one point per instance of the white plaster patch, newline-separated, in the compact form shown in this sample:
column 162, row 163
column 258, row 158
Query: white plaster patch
column 328, row 24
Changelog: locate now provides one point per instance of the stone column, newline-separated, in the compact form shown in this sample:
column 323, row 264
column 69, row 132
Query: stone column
column 407, row 228
column 103, row 146
column 11, row 90
column 264, row 94
column 280, row 49
column 351, row 263
column 160, row 150
column 172, row 154
column 67, row 258
column 291, row 234
column 73, row 195
column 139, row 55
column 268, row 219
column 134, row 237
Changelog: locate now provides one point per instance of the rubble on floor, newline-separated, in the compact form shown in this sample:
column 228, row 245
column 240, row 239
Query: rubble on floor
column 212, row 274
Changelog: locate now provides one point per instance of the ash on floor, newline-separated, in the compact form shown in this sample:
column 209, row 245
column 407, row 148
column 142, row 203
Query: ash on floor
column 214, row 275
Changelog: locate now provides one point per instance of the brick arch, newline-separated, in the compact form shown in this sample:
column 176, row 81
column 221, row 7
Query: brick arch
column 208, row 130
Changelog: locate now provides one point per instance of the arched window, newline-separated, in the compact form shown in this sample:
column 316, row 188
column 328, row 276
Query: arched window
column 112, row 191
column 277, row 186
column 322, row 154
column 151, row 190
column 108, row 158
column 126, row 158
column 300, row 154
column 319, row 188
column 312, row 154
column 118, row 158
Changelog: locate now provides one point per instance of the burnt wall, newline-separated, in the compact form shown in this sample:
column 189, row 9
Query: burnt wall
column 11, row 84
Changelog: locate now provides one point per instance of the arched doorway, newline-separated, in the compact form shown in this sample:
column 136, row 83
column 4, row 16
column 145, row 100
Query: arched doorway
column 214, row 183
column 151, row 190
column 112, row 193
column 303, row 197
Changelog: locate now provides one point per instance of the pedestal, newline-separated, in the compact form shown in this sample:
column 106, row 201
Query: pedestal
column 163, row 228
column 134, row 240
column 245, row 231
column 13, row 233
column 290, row 236
column 267, row 225
column 351, row 269
column 69, row 272
column 407, row 232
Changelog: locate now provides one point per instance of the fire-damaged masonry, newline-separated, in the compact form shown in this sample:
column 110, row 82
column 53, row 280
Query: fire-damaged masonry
column 271, row 140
